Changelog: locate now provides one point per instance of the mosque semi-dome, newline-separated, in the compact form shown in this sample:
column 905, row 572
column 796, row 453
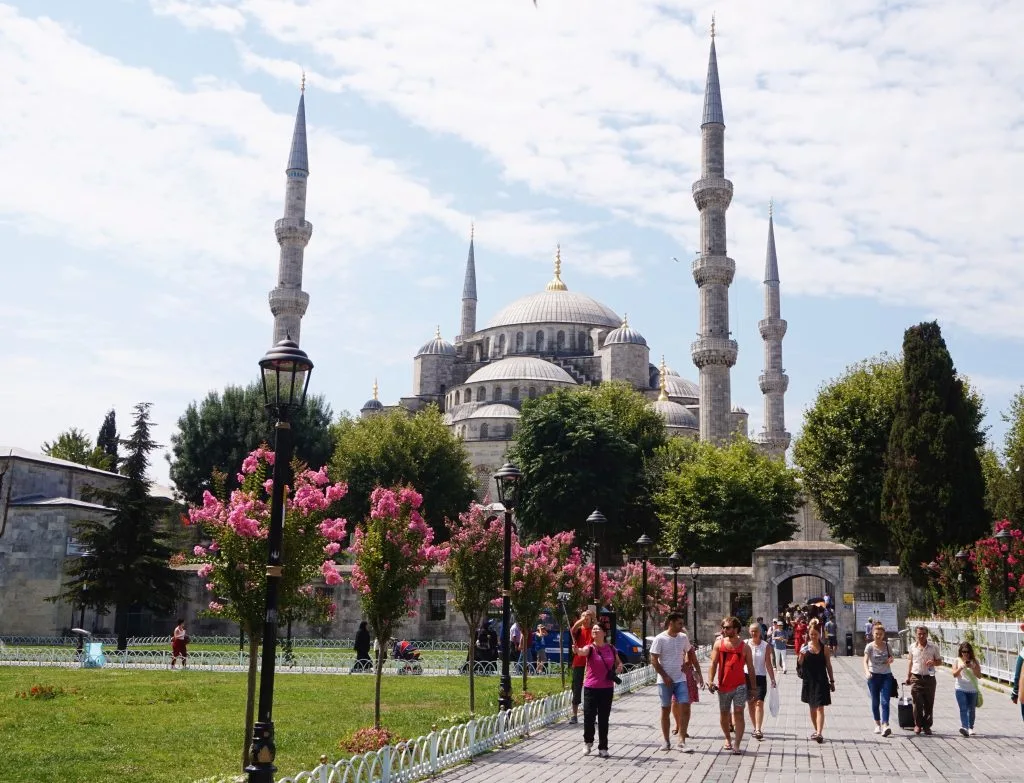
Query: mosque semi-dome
column 496, row 410
column 624, row 335
column 675, row 415
column 521, row 368
column 676, row 386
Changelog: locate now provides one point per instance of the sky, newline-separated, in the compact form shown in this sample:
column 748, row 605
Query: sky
column 144, row 144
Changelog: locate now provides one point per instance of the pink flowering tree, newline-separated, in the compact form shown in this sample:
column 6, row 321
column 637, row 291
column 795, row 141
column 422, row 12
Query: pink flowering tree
column 473, row 560
column 234, row 563
column 535, row 570
column 627, row 593
column 989, row 558
column 393, row 553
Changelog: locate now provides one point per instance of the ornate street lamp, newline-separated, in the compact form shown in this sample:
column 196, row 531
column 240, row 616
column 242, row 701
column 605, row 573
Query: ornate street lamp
column 285, row 371
column 643, row 546
column 675, row 560
column 1004, row 536
column 694, row 572
column 597, row 522
column 509, row 481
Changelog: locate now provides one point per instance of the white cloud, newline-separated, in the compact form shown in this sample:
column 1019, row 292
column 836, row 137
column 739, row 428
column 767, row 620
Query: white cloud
column 890, row 136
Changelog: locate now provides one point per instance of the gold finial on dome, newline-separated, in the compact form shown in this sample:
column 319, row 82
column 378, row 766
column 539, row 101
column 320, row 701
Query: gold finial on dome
column 302, row 84
column 625, row 321
column 663, row 396
column 712, row 27
column 437, row 332
column 375, row 390
column 556, row 283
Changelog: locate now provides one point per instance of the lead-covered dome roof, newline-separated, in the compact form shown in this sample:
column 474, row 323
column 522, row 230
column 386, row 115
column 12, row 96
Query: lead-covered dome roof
column 675, row 415
column 521, row 368
column 496, row 410
column 436, row 346
column 625, row 334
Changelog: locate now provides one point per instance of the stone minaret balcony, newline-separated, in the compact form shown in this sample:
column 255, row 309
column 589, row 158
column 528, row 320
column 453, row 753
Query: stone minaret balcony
column 714, row 351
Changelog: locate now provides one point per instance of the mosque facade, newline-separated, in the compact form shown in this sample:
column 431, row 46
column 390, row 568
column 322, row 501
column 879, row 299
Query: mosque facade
column 559, row 338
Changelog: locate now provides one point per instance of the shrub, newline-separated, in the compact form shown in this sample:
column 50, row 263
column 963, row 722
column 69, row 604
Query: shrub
column 42, row 692
column 367, row 739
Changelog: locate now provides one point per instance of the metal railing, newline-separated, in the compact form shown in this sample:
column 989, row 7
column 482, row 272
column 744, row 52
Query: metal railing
column 148, row 641
column 428, row 755
column 996, row 645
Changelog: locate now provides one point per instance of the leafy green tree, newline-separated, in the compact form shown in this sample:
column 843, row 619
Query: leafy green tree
column 719, row 503
column 1012, row 491
column 128, row 556
column 395, row 449
column 218, row 433
column 934, row 489
column 584, row 448
column 74, row 445
column 841, row 452
column 107, row 439
column 1002, row 498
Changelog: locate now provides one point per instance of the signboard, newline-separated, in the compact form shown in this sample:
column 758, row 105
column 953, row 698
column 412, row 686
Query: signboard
column 847, row 599
column 879, row 611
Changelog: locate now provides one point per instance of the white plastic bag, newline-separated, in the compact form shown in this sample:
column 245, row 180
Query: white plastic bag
column 773, row 701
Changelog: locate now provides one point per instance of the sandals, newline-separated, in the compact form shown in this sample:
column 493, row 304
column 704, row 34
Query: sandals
column 819, row 739
column 758, row 735
column 727, row 746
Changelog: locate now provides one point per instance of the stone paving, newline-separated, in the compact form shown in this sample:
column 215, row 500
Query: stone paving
column 850, row 750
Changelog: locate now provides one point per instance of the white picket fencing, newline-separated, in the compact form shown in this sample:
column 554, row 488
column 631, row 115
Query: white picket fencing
column 428, row 755
column 996, row 644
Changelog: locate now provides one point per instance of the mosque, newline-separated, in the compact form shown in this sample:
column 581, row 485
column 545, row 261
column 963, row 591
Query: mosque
column 558, row 338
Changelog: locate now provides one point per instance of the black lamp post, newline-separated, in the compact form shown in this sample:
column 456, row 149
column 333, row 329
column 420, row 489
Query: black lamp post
column 694, row 571
column 1004, row 537
column 285, row 370
column 597, row 521
column 963, row 558
column 643, row 545
column 675, row 560
column 81, row 615
column 509, row 481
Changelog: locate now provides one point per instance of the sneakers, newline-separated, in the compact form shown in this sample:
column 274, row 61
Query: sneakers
column 684, row 749
column 587, row 747
column 886, row 731
column 878, row 729
column 667, row 745
column 970, row 732
column 603, row 754
column 927, row 730
column 573, row 719
column 965, row 732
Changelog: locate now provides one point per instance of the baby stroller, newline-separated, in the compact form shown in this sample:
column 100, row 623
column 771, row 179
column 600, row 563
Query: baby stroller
column 409, row 657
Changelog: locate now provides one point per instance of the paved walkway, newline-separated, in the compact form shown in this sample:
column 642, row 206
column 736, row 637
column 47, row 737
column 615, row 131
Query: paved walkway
column 851, row 749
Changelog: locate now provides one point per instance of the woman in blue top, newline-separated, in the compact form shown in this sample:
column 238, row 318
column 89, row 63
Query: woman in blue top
column 779, row 639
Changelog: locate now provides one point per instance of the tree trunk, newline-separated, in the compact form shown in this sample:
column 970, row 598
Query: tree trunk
column 121, row 626
column 381, row 652
column 525, row 660
column 250, row 697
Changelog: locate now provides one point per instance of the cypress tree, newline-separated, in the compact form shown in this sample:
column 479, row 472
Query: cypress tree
column 107, row 439
column 934, row 490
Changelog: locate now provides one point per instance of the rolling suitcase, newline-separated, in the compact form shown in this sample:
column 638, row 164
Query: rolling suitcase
column 905, row 710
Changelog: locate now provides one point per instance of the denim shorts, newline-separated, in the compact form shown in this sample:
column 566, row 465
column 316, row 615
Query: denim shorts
column 677, row 689
column 733, row 700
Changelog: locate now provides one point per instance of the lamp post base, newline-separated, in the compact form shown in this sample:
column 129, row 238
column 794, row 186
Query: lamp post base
column 505, row 692
column 262, row 751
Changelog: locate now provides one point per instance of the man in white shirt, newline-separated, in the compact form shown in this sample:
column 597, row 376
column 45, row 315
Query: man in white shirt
column 924, row 657
column 670, row 650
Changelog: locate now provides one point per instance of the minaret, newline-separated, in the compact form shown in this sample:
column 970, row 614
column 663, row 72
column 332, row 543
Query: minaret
column 713, row 353
column 774, row 381
column 468, row 327
column 288, row 301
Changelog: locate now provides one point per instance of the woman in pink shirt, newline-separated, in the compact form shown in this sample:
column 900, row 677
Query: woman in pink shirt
column 598, row 688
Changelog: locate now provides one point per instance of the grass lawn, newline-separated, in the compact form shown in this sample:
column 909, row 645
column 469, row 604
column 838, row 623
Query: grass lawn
column 174, row 727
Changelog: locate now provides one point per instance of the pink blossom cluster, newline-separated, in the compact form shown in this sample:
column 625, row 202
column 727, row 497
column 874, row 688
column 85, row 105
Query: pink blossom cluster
column 330, row 573
column 262, row 454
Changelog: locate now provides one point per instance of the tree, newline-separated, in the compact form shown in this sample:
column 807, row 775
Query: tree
column 1002, row 496
column 1011, row 505
column 218, row 433
column 841, row 452
column 718, row 503
column 583, row 448
column 74, row 445
column 234, row 563
column 107, row 439
column 396, row 449
column 934, row 491
column 394, row 553
column 473, row 562
column 128, row 557
column 627, row 593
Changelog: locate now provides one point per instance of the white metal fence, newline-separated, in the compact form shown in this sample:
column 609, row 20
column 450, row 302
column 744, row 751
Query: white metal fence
column 995, row 644
column 426, row 756
column 149, row 641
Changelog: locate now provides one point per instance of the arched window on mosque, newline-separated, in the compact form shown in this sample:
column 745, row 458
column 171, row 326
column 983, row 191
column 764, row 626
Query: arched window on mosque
column 560, row 340
column 533, row 392
column 519, row 342
column 458, row 398
column 484, row 430
column 508, row 432
column 540, row 340
column 501, row 345
column 590, row 344
column 481, row 394
column 496, row 395
column 514, row 394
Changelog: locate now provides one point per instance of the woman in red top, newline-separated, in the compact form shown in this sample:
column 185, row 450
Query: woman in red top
column 799, row 634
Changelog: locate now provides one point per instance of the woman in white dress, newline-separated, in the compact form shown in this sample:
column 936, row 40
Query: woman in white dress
column 763, row 671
